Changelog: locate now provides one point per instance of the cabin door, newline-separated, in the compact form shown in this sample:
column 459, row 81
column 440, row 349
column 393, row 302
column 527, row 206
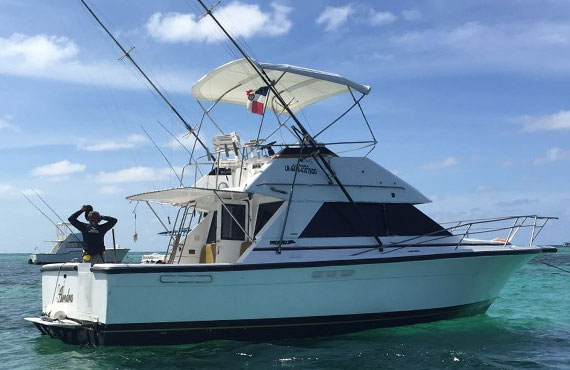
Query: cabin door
column 233, row 220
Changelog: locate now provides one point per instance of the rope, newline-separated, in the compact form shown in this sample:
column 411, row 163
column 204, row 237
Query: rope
column 556, row 267
column 56, row 282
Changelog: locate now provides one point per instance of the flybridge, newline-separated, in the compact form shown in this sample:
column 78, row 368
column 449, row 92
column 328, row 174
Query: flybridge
column 296, row 87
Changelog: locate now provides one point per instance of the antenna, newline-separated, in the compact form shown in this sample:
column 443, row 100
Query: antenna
column 126, row 54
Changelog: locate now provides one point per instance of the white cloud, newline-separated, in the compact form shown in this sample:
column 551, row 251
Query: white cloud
column 57, row 58
column 411, row 15
column 507, row 163
column 542, row 47
column 133, row 174
column 484, row 189
column 60, row 168
column 553, row 155
column 241, row 20
column 446, row 162
column 436, row 198
column 130, row 142
column 188, row 140
column 461, row 37
column 7, row 191
column 548, row 122
column 516, row 202
column 382, row 18
column 37, row 51
column 6, row 124
column 334, row 17
column 109, row 189
column 32, row 191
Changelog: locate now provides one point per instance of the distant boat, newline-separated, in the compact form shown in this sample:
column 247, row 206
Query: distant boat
column 153, row 258
column 68, row 247
column 566, row 245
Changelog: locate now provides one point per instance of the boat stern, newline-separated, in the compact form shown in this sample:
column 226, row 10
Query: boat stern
column 68, row 309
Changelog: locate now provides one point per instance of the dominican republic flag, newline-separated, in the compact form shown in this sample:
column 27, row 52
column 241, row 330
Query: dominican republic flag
column 256, row 100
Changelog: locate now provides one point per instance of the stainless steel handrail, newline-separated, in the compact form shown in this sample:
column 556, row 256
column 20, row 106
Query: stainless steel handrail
column 535, row 222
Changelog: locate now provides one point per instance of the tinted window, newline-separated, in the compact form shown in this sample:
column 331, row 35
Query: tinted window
column 264, row 214
column 405, row 219
column 342, row 219
column 230, row 229
column 213, row 228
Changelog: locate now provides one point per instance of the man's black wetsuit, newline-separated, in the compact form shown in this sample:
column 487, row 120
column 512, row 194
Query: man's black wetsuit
column 93, row 235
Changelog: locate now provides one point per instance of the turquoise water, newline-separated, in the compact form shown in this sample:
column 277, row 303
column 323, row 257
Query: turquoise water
column 528, row 327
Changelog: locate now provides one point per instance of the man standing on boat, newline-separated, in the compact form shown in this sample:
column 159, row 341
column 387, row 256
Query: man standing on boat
column 93, row 233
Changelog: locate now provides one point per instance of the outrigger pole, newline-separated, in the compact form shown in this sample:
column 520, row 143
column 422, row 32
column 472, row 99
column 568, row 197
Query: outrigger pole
column 305, row 134
column 128, row 55
column 49, row 219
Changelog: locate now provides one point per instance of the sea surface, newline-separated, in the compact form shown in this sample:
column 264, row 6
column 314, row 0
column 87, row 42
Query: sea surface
column 527, row 327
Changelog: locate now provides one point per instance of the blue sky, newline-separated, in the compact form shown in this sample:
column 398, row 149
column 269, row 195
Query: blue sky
column 469, row 100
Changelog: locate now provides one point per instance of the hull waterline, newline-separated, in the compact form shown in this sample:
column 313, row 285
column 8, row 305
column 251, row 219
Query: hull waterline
column 249, row 330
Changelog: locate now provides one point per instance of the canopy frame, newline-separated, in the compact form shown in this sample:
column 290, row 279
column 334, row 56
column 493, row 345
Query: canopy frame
column 272, row 102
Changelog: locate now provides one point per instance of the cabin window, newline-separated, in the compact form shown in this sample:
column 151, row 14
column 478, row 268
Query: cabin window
column 213, row 229
column 264, row 213
column 230, row 229
column 342, row 219
column 74, row 245
column 406, row 220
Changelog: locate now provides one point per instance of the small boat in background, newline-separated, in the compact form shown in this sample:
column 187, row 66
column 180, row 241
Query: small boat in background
column 153, row 258
column 68, row 247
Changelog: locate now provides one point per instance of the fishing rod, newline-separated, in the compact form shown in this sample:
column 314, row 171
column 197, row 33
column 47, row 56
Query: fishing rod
column 49, row 219
column 163, row 155
column 57, row 215
column 304, row 133
column 175, row 138
column 156, row 89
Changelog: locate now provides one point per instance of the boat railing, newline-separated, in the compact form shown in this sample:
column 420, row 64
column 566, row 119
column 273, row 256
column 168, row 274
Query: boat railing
column 509, row 225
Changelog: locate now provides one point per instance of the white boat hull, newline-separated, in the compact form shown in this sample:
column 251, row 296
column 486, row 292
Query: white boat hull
column 154, row 304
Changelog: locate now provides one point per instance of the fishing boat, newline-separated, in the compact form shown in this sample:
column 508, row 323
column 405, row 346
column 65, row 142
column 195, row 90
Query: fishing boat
column 68, row 247
column 289, row 239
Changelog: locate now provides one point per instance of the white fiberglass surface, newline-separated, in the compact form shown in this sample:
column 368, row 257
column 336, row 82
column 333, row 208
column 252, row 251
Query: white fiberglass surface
column 298, row 86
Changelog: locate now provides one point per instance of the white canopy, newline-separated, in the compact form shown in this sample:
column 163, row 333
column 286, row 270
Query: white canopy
column 188, row 195
column 298, row 86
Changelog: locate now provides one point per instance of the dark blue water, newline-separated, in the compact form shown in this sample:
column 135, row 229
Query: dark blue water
column 528, row 327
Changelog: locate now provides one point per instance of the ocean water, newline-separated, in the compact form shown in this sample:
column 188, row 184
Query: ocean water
column 528, row 327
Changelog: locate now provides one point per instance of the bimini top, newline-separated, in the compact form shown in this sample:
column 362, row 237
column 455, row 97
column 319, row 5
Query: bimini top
column 298, row 86
column 199, row 197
